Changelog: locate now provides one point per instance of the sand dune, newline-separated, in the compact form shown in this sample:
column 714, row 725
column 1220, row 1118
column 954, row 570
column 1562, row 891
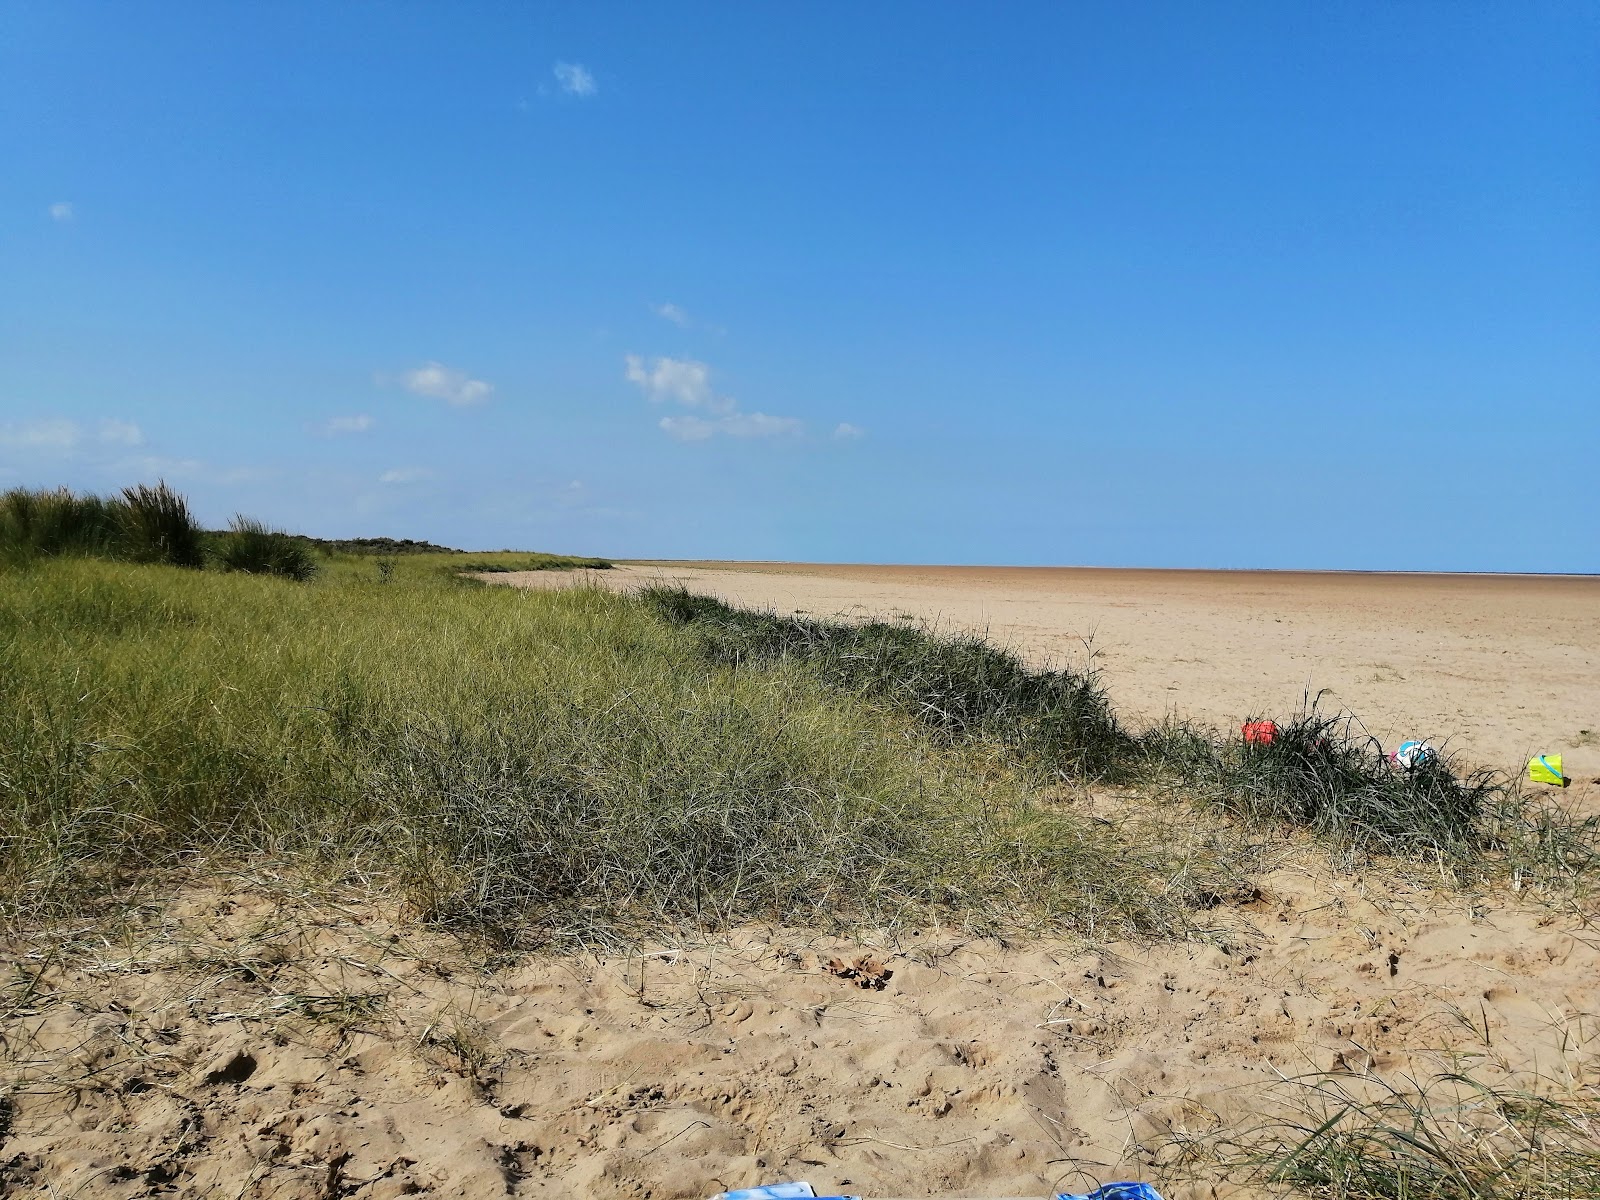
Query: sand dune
column 1502, row 665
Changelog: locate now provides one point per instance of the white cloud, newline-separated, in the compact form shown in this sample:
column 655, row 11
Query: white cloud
column 450, row 384
column 671, row 312
column 63, row 435
column 574, row 79
column 356, row 424
column 61, row 211
column 41, row 435
column 681, row 379
column 758, row 424
column 405, row 475
column 121, row 433
column 689, row 383
column 844, row 431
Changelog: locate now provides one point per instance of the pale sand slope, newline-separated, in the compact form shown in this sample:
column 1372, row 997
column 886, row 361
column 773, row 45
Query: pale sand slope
column 1504, row 666
column 250, row 1044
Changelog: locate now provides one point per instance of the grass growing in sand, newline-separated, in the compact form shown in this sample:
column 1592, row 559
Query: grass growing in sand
column 1322, row 772
column 539, row 765
column 1469, row 1131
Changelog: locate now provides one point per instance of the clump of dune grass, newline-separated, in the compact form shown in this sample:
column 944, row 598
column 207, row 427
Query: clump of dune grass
column 252, row 547
column 1452, row 1137
column 142, row 523
column 49, row 522
column 1543, row 844
column 530, row 766
column 157, row 527
column 1324, row 772
column 958, row 685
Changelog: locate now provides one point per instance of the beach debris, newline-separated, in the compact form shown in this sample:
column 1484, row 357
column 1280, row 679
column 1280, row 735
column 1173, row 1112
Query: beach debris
column 865, row 972
column 1114, row 1191
column 776, row 1191
column 1259, row 733
column 804, row 1191
column 1546, row 768
column 1413, row 754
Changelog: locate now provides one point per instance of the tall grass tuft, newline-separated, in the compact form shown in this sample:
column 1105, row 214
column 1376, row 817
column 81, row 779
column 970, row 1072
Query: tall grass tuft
column 143, row 523
column 252, row 547
column 157, row 527
column 959, row 686
column 1323, row 771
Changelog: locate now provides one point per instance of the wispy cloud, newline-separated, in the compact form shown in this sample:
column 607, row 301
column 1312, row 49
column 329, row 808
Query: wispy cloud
column 574, row 79
column 121, row 433
column 155, row 466
column 337, row 425
column 63, row 435
column 450, row 384
column 61, row 211
column 846, row 432
column 688, row 383
column 671, row 312
column 690, row 428
column 398, row 475
column 41, row 435
column 681, row 379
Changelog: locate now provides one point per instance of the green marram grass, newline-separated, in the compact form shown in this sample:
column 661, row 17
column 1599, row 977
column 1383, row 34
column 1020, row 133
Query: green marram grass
column 958, row 686
column 1452, row 1136
column 532, row 765
column 252, row 547
column 1322, row 772
column 142, row 523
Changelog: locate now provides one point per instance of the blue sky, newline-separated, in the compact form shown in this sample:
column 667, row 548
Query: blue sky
column 1233, row 285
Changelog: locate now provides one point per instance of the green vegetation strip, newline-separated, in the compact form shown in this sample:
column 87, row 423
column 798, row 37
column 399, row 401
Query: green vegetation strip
column 579, row 764
column 154, row 525
column 530, row 765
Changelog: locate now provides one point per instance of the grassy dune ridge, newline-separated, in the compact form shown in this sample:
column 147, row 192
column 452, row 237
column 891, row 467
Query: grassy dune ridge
column 1322, row 771
column 547, row 764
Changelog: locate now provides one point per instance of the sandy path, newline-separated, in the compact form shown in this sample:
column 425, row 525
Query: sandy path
column 1503, row 666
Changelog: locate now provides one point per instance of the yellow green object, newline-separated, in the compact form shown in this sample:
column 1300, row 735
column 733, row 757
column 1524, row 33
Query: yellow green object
column 1546, row 768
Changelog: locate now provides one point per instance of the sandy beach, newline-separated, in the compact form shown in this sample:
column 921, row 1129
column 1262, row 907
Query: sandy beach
column 263, row 1039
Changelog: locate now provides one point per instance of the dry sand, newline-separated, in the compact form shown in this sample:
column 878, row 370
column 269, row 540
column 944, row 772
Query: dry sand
column 252, row 1041
column 251, row 1045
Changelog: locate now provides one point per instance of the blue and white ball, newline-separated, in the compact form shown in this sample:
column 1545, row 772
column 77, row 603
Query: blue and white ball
column 1413, row 754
